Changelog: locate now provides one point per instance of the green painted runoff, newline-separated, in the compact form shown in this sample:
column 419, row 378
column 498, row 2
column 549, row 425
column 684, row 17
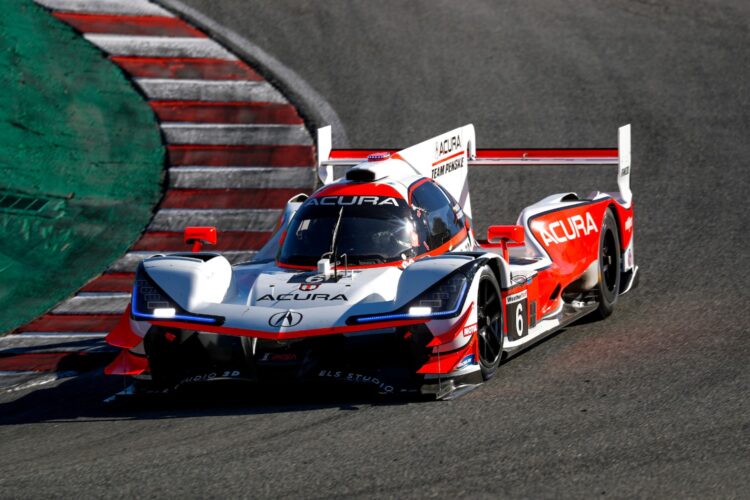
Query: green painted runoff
column 81, row 162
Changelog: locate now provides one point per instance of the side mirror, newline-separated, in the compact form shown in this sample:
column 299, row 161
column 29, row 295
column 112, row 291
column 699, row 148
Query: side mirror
column 513, row 235
column 506, row 236
column 199, row 235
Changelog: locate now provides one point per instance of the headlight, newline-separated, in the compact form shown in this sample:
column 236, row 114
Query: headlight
column 149, row 302
column 443, row 300
column 147, row 298
column 442, row 297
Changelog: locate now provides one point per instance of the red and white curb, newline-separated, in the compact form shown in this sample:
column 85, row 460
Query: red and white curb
column 237, row 150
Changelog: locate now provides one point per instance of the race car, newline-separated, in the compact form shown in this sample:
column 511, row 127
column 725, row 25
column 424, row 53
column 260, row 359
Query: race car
column 378, row 279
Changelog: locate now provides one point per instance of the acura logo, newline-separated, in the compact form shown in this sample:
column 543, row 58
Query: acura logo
column 288, row 318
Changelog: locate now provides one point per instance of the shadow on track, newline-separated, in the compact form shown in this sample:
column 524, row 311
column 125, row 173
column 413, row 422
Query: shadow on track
column 81, row 399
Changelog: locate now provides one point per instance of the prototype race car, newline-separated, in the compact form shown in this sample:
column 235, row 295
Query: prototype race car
column 378, row 279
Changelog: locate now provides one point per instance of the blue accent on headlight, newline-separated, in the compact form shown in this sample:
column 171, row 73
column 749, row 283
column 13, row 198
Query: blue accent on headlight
column 433, row 315
column 144, row 316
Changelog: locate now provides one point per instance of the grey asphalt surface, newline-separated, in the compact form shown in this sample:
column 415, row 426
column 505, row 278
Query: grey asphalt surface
column 652, row 402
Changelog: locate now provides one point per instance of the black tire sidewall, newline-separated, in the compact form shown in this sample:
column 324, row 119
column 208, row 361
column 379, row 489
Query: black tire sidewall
column 488, row 370
column 161, row 357
column 607, row 299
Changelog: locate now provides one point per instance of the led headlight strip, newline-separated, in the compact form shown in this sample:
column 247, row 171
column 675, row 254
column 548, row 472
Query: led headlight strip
column 163, row 306
column 416, row 310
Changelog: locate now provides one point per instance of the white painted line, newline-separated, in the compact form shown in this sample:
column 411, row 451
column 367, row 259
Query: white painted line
column 103, row 295
column 52, row 335
column 158, row 46
column 235, row 135
column 209, row 90
column 93, row 304
column 129, row 262
column 39, row 379
column 124, row 7
column 248, row 219
column 55, row 346
column 241, row 177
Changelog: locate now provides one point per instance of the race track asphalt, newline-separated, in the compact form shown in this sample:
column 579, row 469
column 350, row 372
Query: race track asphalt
column 652, row 402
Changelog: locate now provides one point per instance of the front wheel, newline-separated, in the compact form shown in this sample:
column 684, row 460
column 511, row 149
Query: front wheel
column 609, row 266
column 489, row 323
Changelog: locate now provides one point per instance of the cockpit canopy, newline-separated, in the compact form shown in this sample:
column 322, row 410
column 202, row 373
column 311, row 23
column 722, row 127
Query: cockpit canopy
column 372, row 229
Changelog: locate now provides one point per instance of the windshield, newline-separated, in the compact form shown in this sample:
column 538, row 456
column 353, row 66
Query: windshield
column 367, row 234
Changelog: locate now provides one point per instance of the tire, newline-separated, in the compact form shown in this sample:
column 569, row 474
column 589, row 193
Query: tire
column 609, row 266
column 489, row 323
column 162, row 358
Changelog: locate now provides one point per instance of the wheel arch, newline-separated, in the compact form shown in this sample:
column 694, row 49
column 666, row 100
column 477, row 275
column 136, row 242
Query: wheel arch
column 612, row 207
column 500, row 270
column 497, row 265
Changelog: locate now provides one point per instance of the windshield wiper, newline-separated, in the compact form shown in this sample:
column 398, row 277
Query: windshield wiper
column 334, row 240
column 335, row 237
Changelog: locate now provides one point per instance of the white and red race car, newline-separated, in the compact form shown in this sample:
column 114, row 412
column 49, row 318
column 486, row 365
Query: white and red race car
column 377, row 278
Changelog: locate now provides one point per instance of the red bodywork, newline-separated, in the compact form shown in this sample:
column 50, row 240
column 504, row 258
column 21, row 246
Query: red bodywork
column 571, row 237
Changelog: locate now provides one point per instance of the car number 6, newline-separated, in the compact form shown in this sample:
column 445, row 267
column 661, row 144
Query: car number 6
column 519, row 320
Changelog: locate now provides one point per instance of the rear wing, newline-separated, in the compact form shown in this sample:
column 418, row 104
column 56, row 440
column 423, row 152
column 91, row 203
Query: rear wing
column 420, row 157
column 526, row 157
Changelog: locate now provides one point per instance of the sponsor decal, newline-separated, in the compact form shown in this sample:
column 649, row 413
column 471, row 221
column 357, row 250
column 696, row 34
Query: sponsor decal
column 357, row 378
column 624, row 171
column 568, row 229
column 210, row 376
column 314, row 278
column 353, row 200
column 516, row 297
column 309, row 287
column 628, row 224
column 304, row 296
column 628, row 261
column 470, row 330
column 285, row 319
column 448, row 167
column 447, row 146
column 468, row 360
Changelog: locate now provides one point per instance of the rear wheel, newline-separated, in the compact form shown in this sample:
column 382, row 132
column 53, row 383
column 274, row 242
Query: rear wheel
column 489, row 323
column 609, row 266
